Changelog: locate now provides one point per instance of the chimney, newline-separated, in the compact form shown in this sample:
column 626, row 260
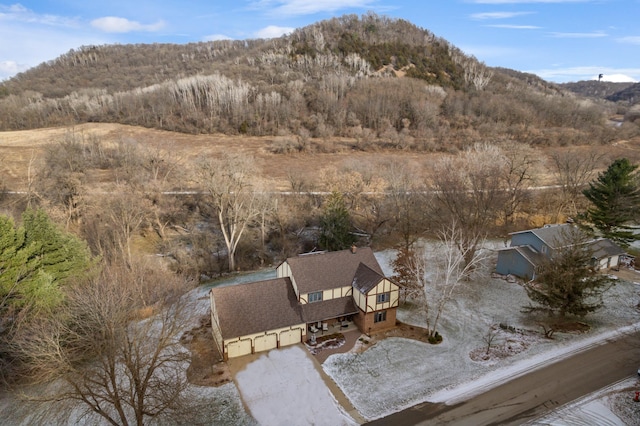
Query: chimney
column 354, row 249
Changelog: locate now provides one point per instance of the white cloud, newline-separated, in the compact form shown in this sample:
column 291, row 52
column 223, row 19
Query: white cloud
column 308, row 7
column 596, row 34
column 214, row 37
column 19, row 14
column 616, row 78
column 114, row 24
column 10, row 68
column 273, row 31
column 629, row 40
column 498, row 15
column 562, row 75
column 515, row 27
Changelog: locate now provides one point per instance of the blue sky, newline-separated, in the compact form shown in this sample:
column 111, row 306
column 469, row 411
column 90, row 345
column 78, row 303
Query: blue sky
column 559, row 40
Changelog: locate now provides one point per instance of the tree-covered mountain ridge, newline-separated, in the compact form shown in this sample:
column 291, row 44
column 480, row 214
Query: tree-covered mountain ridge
column 382, row 82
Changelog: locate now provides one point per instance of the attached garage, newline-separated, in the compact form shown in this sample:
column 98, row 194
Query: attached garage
column 239, row 348
column 266, row 342
column 290, row 337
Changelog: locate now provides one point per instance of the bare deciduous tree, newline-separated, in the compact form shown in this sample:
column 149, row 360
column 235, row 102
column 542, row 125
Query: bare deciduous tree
column 490, row 336
column 407, row 199
column 228, row 182
column 114, row 347
column 573, row 170
column 470, row 190
column 439, row 272
column 518, row 173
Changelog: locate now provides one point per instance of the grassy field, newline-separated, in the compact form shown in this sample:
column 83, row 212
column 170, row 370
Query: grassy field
column 21, row 153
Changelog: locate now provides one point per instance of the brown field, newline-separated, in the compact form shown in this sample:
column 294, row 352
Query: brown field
column 19, row 149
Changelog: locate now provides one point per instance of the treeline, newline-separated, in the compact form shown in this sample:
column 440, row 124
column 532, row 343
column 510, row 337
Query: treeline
column 379, row 81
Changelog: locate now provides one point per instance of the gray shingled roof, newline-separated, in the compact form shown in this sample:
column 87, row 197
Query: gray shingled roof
column 604, row 248
column 534, row 257
column 552, row 235
column 255, row 307
column 326, row 270
column 334, row 308
column 365, row 279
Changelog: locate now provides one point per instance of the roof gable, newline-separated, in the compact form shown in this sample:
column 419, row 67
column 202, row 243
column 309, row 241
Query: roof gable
column 327, row 270
column 256, row 307
column 365, row 279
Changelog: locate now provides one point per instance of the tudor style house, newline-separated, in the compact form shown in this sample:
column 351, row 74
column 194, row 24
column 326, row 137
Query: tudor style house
column 314, row 292
column 528, row 249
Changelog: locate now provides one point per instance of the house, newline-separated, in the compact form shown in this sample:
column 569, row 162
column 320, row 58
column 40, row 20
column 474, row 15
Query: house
column 314, row 292
column 607, row 254
column 528, row 249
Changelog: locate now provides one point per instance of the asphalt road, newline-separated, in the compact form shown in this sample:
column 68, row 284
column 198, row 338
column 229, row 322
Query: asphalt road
column 535, row 393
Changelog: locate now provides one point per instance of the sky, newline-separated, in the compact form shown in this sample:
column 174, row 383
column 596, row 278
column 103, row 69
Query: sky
column 558, row 40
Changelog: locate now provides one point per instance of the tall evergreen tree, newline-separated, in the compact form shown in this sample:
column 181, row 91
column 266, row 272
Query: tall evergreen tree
column 615, row 199
column 567, row 282
column 335, row 224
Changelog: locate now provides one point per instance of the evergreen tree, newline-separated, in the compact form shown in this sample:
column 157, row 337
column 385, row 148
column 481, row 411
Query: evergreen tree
column 567, row 282
column 35, row 259
column 615, row 198
column 335, row 224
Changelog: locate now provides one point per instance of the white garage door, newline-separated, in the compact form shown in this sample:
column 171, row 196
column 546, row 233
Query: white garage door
column 239, row 348
column 265, row 343
column 290, row 337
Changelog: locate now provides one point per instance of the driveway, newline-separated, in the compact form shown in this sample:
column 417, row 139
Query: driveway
column 285, row 387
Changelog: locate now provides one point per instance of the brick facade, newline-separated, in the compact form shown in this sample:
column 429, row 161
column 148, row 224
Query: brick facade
column 366, row 322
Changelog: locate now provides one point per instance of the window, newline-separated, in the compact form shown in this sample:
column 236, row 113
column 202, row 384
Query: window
column 384, row 297
column 315, row 297
column 380, row 316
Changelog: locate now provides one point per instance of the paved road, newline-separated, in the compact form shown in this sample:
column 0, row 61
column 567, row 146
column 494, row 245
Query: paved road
column 536, row 393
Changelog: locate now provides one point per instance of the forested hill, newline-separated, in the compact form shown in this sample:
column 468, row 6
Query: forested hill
column 381, row 81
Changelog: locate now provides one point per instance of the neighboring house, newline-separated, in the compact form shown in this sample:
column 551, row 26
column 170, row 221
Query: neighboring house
column 315, row 292
column 528, row 249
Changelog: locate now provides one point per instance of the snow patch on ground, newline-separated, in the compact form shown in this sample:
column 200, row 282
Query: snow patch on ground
column 398, row 373
column 284, row 388
column 600, row 408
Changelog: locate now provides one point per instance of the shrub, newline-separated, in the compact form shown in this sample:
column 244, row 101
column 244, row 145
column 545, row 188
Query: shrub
column 434, row 340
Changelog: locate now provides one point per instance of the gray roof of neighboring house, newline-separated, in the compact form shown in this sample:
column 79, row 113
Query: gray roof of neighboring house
column 321, row 311
column 604, row 247
column 365, row 279
column 255, row 307
column 528, row 252
column 550, row 234
column 327, row 270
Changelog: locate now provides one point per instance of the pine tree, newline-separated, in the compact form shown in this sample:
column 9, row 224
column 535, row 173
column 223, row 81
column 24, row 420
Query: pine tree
column 615, row 199
column 567, row 282
column 36, row 259
column 335, row 224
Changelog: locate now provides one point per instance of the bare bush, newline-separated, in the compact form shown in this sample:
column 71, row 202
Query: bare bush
column 114, row 346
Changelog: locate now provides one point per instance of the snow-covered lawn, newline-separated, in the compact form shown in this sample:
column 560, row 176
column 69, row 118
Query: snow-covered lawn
column 283, row 387
column 398, row 373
